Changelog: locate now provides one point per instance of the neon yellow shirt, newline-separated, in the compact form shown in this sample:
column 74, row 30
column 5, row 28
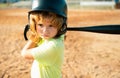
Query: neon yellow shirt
column 48, row 59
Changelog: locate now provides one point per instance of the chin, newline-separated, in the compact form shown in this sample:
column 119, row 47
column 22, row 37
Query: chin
column 46, row 38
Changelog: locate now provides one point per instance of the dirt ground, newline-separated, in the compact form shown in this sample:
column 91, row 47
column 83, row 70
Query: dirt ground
column 87, row 55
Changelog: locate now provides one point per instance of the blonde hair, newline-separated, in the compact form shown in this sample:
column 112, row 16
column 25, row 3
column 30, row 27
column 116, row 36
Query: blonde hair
column 55, row 19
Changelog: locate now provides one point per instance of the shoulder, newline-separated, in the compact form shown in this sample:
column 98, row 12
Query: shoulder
column 58, row 41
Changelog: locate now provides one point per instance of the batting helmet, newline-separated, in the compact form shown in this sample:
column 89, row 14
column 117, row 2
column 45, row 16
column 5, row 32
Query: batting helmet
column 56, row 6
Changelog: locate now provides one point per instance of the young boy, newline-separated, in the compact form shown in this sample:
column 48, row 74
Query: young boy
column 46, row 42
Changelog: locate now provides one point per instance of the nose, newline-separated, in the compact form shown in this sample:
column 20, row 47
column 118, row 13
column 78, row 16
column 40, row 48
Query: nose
column 45, row 29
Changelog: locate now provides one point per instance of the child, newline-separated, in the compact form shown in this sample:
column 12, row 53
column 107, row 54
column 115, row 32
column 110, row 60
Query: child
column 46, row 45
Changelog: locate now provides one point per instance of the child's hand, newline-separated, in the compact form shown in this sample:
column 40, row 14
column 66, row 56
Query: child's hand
column 34, row 37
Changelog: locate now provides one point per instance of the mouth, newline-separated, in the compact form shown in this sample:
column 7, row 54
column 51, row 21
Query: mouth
column 45, row 35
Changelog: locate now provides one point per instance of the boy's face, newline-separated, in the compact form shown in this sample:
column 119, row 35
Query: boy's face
column 45, row 29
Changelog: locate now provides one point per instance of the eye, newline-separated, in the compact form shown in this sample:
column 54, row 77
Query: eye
column 41, row 25
column 50, row 25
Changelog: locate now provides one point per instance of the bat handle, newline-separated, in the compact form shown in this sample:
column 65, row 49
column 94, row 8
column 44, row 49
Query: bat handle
column 27, row 27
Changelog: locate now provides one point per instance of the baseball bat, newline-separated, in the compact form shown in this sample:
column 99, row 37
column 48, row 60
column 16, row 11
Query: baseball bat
column 105, row 29
column 27, row 27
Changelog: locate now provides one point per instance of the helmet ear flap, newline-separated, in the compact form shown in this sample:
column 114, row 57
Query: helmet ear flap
column 63, row 28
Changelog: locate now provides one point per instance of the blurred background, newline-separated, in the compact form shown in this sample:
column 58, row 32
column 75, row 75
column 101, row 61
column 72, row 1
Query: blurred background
column 71, row 3
column 87, row 54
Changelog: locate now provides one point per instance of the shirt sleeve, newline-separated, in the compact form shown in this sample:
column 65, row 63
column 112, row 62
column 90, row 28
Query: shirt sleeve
column 46, row 53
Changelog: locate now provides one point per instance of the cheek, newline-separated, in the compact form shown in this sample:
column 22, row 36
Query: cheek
column 55, row 31
column 38, row 29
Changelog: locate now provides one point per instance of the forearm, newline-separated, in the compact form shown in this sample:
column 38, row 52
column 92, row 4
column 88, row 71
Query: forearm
column 26, row 51
column 30, row 45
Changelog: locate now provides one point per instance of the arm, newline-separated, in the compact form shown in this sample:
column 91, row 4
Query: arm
column 26, row 51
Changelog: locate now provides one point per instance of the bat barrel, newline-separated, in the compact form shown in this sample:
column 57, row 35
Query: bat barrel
column 107, row 29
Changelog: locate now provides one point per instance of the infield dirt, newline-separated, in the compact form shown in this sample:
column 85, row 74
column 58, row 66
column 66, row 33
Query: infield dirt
column 87, row 55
